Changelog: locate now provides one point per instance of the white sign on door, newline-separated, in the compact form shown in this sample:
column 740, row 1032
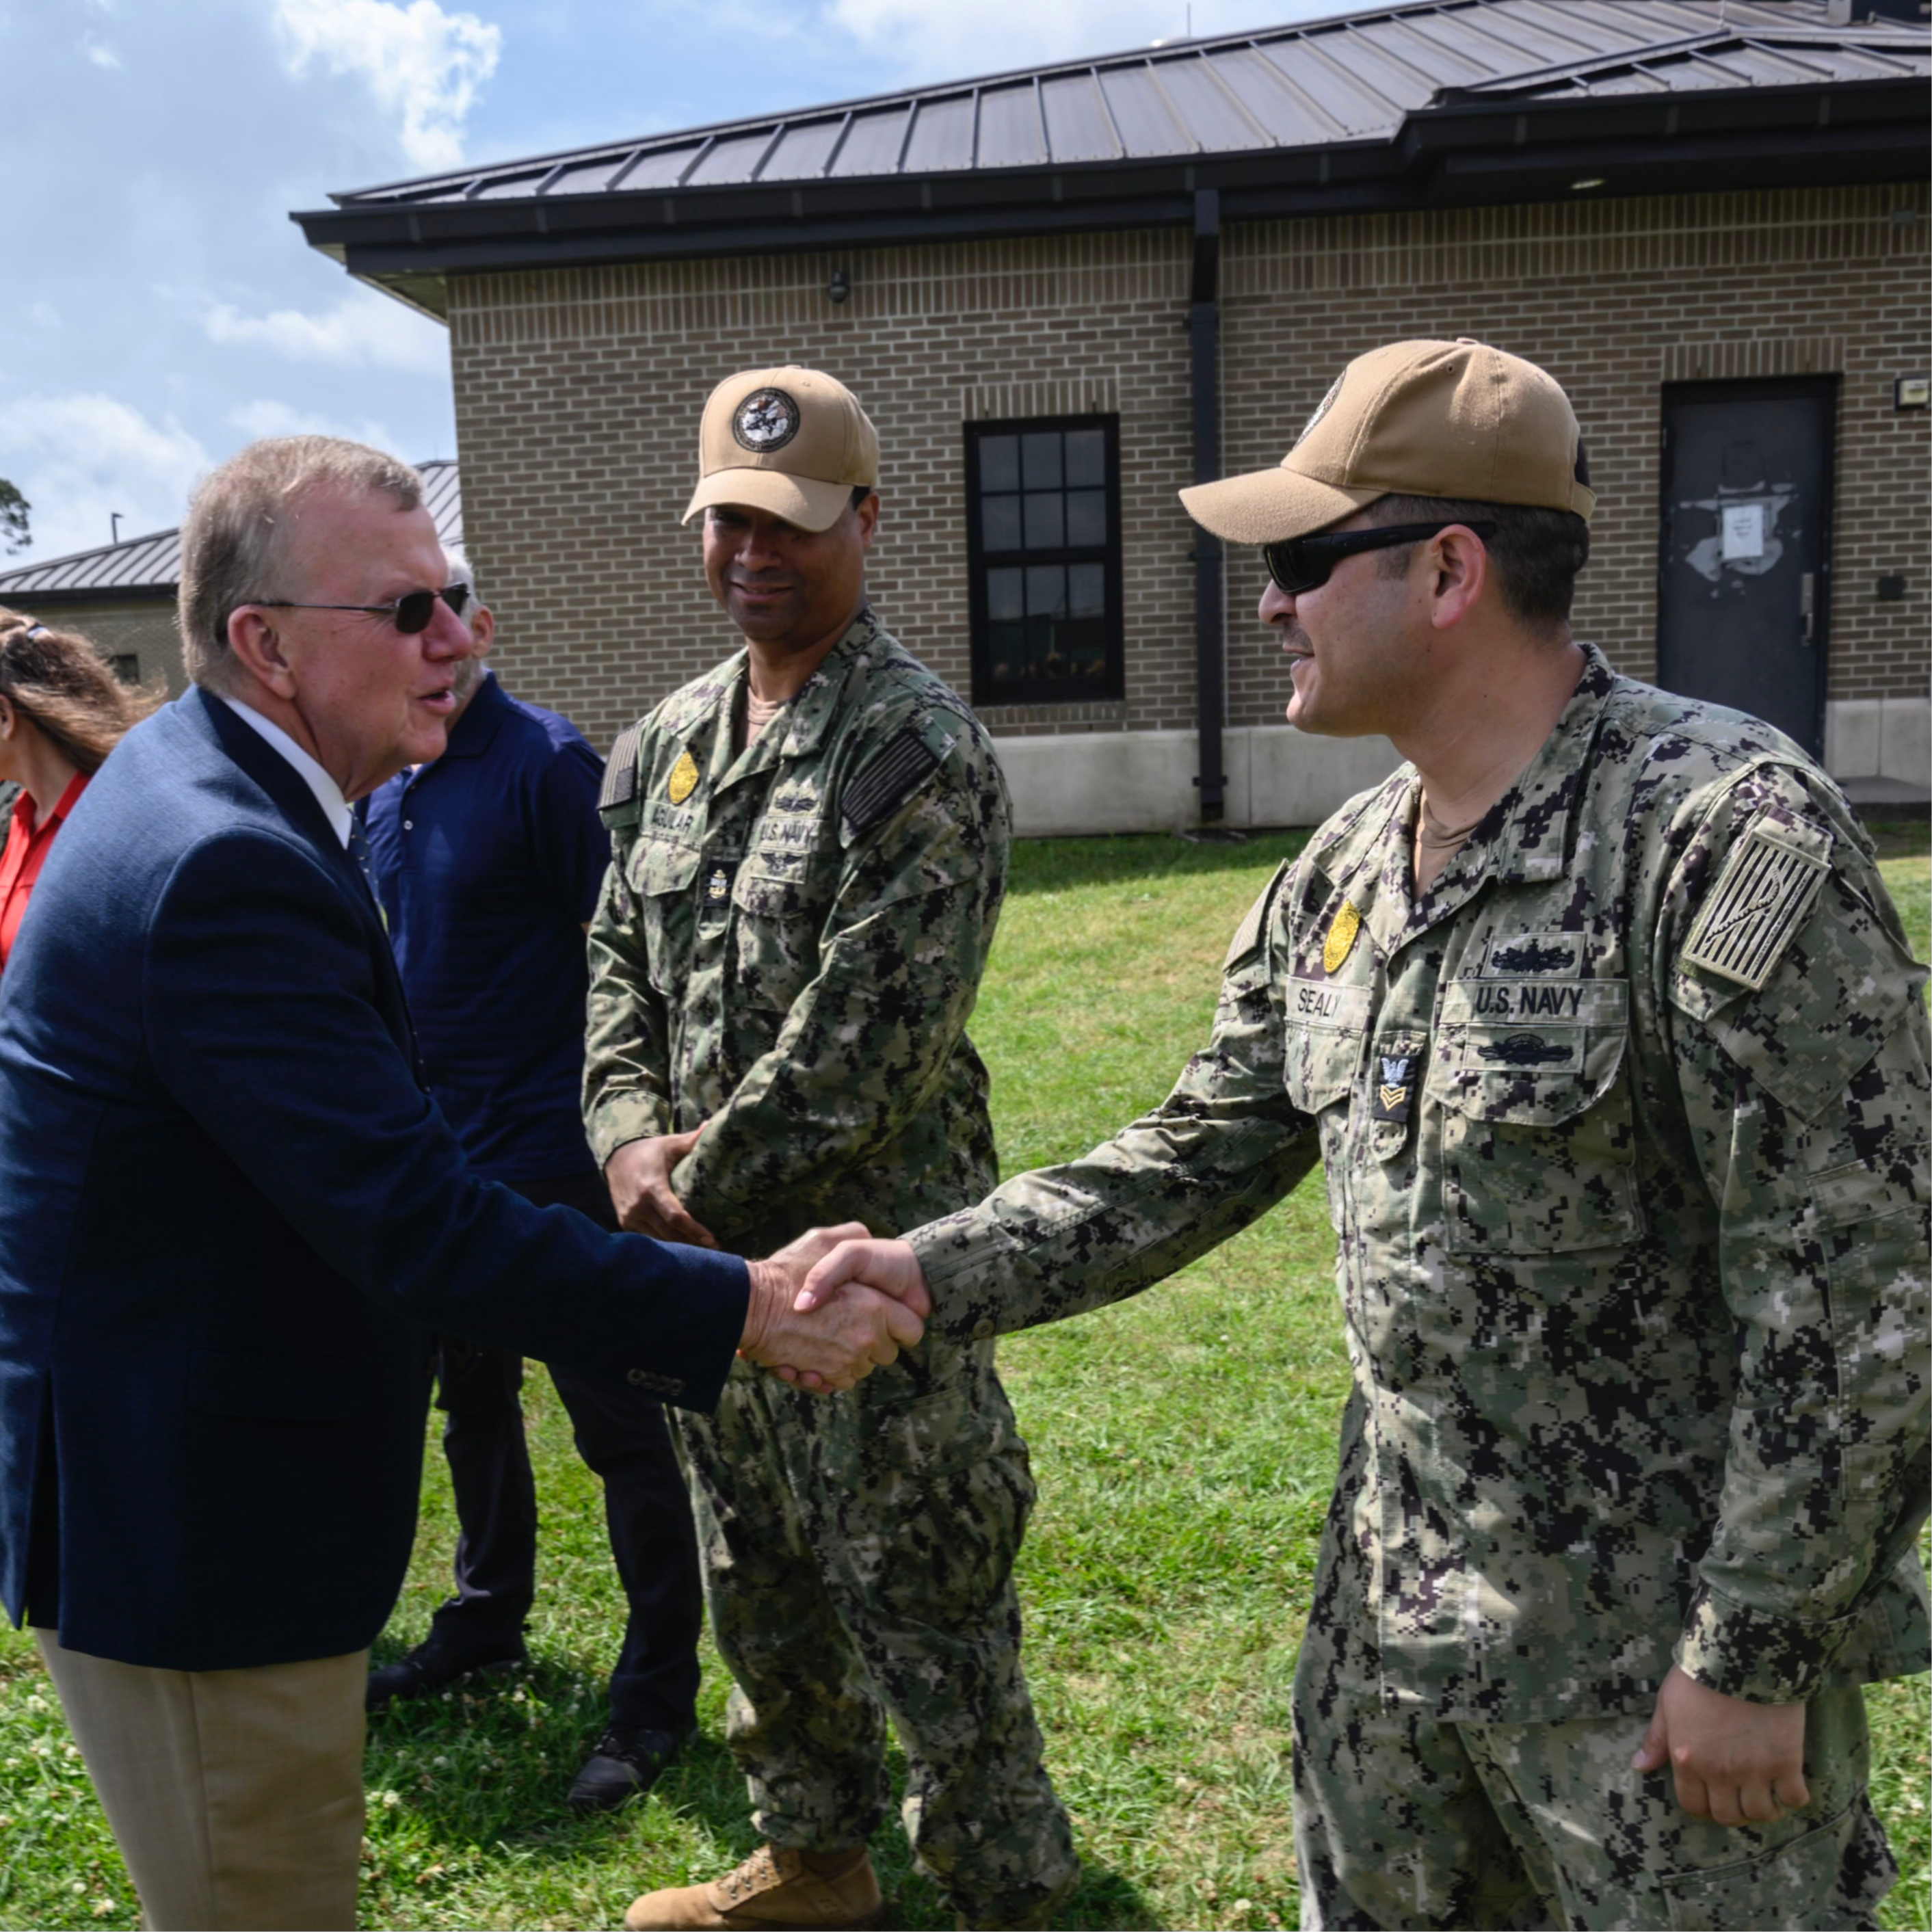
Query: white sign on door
column 1743, row 531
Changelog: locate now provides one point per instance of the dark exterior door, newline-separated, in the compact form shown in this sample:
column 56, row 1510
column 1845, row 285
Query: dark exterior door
column 1743, row 606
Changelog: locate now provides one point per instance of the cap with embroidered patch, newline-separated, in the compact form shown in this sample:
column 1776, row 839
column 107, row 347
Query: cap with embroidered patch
column 793, row 442
column 1455, row 419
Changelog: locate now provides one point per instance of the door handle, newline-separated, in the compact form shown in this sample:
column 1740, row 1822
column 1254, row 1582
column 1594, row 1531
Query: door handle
column 1808, row 604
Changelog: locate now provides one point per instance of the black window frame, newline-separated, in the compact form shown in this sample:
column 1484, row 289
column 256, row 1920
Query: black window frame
column 1111, row 686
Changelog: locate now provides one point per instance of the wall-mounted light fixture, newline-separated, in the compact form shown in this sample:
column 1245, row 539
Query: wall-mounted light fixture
column 1587, row 182
column 840, row 286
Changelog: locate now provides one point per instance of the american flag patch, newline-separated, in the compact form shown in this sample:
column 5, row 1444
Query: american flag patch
column 1759, row 901
column 620, row 771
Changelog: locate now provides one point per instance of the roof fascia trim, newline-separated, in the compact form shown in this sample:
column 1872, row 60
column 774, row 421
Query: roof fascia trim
column 1479, row 175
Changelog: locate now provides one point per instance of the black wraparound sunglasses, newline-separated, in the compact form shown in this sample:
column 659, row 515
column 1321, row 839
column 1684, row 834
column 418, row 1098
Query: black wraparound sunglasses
column 1303, row 563
column 409, row 613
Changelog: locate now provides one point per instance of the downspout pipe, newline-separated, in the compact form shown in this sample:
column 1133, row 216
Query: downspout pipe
column 1204, row 323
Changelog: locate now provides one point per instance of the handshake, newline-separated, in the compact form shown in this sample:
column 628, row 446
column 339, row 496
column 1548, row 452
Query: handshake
column 833, row 1306
column 824, row 1313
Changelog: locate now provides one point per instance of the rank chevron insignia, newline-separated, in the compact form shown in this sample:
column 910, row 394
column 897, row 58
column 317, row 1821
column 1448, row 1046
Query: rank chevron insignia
column 1393, row 1092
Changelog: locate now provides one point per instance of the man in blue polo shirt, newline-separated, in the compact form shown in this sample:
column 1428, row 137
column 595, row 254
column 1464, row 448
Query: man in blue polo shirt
column 487, row 863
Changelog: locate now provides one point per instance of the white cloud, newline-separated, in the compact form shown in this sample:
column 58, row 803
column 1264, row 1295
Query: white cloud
column 362, row 330
column 268, row 415
column 99, row 51
column 421, row 64
column 941, row 39
column 76, row 457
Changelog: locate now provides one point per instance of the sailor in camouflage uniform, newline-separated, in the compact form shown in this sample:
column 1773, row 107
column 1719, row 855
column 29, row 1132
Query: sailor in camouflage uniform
column 791, row 939
column 1619, row 1080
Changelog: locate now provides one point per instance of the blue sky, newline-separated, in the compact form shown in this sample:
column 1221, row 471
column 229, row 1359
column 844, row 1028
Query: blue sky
column 162, row 311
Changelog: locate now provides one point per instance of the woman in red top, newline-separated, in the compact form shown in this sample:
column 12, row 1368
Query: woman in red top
column 62, row 711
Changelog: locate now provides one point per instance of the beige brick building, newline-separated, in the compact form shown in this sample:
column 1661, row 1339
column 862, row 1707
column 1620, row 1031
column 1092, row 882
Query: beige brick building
column 578, row 391
column 1707, row 221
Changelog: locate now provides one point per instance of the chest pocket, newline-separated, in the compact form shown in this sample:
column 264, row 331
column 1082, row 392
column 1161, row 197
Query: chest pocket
column 780, row 897
column 1539, row 1149
column 1322, row 1027
column 662, row 875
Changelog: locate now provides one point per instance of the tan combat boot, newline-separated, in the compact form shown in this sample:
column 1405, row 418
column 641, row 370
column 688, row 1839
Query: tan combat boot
column 771, row 1890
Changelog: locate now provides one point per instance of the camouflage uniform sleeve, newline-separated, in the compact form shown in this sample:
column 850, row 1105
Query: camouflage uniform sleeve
column 627, row 1041
column 1806, row 1096
column 1220, row 1150
column 864, row 1044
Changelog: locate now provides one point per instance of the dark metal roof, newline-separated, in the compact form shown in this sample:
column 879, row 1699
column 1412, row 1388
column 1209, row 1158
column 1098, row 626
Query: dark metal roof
column 1355, row 78
column 147, row 566
column 1424, row 104
column 150, row 566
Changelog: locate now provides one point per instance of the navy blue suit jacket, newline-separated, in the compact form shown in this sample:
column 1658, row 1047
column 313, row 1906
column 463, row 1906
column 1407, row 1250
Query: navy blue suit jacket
column 230, row 1216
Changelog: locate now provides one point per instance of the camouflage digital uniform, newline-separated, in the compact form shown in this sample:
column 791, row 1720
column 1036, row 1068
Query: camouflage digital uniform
column 1624, row 1129
column 788, row 945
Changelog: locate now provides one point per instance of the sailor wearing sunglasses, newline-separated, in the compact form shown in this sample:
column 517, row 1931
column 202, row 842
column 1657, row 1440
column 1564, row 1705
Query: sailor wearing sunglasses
column 1600, row 1020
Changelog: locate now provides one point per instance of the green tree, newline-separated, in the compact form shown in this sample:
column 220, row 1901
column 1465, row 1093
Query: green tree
column 14, row 534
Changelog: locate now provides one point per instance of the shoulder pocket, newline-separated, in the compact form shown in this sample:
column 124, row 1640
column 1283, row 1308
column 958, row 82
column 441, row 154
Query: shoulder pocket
column 1249, row 934
column 1539, row 1147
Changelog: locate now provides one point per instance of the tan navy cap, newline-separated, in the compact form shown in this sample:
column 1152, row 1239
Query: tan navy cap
column 791, row 441
column 1457, row 419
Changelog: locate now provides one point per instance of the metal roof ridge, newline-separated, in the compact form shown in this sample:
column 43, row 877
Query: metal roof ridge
column 1579, row 69
column 84, row 556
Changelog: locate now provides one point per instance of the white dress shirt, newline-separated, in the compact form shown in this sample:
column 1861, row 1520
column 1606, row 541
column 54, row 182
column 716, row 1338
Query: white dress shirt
column 327, row 792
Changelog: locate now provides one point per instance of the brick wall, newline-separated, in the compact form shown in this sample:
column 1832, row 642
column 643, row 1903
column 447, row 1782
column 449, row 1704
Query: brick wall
column 1615, row 298
column 142, row 629
column 578, row 393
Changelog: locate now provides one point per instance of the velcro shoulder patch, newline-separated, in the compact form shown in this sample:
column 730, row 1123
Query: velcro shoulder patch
column 1760, row 900
column 1248, row 933
column 620, row 771
column 909, row 759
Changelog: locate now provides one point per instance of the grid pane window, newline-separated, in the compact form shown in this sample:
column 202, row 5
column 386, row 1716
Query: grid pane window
column 1043, row 537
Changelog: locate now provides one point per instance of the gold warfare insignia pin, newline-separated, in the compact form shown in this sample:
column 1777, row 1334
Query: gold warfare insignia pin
column 1341, row 940
column 683, row 779
column 1757, row 905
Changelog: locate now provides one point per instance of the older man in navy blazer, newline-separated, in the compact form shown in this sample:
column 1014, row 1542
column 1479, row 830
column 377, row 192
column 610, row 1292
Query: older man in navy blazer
column 229, row 1216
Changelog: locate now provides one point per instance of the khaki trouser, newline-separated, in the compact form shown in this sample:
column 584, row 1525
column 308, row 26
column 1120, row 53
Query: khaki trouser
column 236, row 1795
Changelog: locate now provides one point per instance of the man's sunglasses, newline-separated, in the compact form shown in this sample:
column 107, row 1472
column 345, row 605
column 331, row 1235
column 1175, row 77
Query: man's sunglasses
column 1303, row 563
column 409, row 613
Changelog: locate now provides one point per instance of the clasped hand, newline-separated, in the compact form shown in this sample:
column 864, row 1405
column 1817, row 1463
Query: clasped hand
column 824, row 1338
column 827, row 1342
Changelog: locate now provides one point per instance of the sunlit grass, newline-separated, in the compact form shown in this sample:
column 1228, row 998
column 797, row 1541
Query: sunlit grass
column 1184, row 1444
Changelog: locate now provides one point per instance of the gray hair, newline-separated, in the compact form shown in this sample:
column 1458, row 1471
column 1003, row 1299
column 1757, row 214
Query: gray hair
column 236, row 537
column 457, row 569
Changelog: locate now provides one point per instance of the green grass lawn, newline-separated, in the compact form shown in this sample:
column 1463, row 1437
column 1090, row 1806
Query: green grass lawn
column 1183, row 1444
